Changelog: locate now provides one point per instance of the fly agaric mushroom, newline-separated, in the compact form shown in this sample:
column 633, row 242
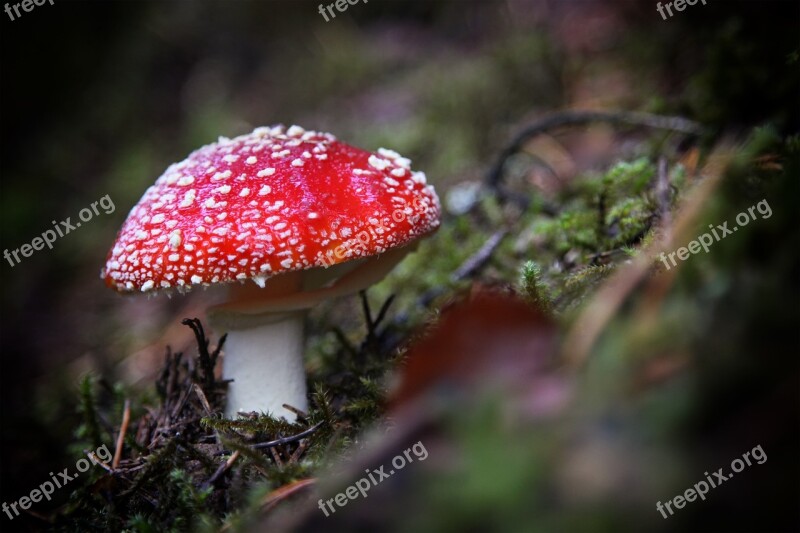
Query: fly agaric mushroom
column 292, row 217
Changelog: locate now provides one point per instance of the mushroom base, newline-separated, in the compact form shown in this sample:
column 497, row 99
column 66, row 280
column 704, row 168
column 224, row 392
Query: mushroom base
column 264, row 358
column 264, row 350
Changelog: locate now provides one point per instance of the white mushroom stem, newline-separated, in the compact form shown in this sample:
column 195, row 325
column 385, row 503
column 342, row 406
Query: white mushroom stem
column 265, row 362
column 263, row 352
column 264, row 349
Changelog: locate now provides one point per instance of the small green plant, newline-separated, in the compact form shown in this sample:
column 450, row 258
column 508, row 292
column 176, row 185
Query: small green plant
column 533, row 288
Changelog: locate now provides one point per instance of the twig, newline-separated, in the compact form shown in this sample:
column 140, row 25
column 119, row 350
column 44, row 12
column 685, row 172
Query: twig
column 180, row 405
column 93, row 457
column 365, row 306
column 601, row 219
column 38, row 516
column 123, row 429
column 203, row 400
column 468, row 268
column 300, row 413
column 170, row 376
column 287, row 440
column 574, row 118
column 662, row 195
column 299, row 451
column 277, row 457
column 277, row 495
column 281, row 493
column 384, row 309
column 368, row 318
column 222, row 469
column 206, row 361
column 372, row 325
column 605, row 257
column 477, row 260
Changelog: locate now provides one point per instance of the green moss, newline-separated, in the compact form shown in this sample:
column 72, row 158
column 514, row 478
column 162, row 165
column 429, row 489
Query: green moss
column 533, row 288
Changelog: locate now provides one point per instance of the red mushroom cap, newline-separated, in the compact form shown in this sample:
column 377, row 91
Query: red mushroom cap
column 268, row 202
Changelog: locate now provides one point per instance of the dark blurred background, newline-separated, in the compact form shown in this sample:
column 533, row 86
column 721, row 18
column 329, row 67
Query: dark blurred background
column 98, row 98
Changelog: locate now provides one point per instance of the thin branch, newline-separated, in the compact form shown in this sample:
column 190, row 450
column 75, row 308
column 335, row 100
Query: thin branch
column 281, row 493
column 287, row 440
column 468, row 268
column 206, row 362
column 198, row 390
column 181, row 404
column 373, row 339
column 477, row 260
column 93, row 457
column 372, row 325
column 384, row 309
column 224, row 467
column 662, row 195
column 365, row 307
column 576, row 118
column 301, row 448
column 123, row 429
column 276, row 457
column 300, row 413
column 600, row 229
